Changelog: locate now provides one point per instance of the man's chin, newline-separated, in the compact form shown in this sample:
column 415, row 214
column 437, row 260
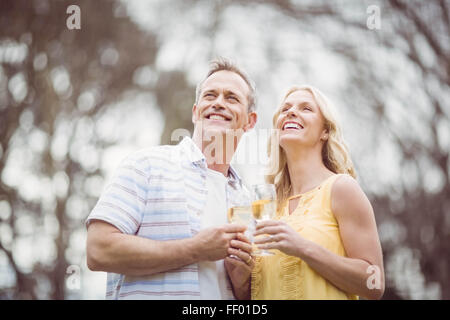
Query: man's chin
column 219, row 128
column 211, row 131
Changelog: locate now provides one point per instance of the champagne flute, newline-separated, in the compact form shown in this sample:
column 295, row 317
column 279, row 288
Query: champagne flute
column 264, row 206
column 240, row 211
column 243, row 215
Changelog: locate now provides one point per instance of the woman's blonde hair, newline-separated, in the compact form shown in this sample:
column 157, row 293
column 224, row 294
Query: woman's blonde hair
column 335, row 155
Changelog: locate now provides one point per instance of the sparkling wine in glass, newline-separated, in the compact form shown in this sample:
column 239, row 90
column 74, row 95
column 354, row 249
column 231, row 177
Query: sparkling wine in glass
column 243, row 215
column 264, row 206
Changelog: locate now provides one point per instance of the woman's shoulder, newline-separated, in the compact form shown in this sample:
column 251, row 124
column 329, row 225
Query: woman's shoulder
column 343, row 182
column 347, row 195
column 340, row 183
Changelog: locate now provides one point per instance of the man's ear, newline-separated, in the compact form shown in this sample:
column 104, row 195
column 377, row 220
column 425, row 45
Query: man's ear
column 252, row 118
column 194, row 116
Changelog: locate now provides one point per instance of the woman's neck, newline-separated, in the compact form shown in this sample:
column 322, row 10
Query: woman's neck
column 306, row 169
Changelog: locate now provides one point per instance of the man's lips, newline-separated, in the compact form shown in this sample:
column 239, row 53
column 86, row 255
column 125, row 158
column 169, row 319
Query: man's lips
column 292, row 125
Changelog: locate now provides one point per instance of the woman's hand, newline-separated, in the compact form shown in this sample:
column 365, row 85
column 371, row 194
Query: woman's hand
column 280, row 236
column 239, row 265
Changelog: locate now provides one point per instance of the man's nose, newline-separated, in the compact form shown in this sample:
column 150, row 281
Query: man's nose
column 219, row 102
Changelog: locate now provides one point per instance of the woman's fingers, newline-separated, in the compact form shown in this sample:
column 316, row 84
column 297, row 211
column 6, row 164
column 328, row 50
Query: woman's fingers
column 269, row 245
column 266, row 239
column 269, row 230
column 242, row 255
column 267, row 223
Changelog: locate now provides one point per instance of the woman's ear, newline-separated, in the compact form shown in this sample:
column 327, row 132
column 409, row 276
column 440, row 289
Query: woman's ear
column 325, row 135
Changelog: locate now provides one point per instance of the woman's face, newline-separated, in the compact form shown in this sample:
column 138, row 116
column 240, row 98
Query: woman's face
column 300, row 121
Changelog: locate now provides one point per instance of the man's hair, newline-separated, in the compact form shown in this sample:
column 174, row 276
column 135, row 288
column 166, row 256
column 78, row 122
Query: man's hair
column 222, row 64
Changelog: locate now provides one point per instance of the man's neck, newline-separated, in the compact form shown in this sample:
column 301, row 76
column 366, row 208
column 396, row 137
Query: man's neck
column 222, row 168
column 216, row 159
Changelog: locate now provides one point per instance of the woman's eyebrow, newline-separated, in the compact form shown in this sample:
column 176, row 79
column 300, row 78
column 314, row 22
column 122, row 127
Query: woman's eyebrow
column 310, row 103
column 303, row 103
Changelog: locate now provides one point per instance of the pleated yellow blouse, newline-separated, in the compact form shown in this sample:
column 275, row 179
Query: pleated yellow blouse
column 283, row 277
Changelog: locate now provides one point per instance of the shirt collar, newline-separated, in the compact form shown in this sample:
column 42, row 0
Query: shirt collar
column 196, row 156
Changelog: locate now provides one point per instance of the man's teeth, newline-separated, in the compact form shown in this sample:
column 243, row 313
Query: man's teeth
column 291, row 126
column 216, row 117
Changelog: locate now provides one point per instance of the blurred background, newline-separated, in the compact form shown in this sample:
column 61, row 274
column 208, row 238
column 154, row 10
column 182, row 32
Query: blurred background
column 75, row 102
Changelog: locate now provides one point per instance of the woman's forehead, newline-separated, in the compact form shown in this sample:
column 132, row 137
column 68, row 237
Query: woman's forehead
column 301, row 95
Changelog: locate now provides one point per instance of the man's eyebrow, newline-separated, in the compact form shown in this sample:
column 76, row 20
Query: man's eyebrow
column 231, row 92
column 226, row 92
column 209, row 91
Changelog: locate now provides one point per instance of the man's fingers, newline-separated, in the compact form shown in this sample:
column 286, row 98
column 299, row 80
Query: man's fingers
column 234, row 228
column 242, row 237
column 241, row 245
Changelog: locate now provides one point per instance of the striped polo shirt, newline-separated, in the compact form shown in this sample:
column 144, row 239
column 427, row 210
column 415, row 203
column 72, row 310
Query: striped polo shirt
column 159, row 193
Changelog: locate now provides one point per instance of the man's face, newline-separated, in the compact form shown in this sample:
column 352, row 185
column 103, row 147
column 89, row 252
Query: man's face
column 223, row 104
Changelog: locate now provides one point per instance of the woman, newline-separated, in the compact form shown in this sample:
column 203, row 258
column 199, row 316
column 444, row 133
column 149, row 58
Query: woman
column 325, row 231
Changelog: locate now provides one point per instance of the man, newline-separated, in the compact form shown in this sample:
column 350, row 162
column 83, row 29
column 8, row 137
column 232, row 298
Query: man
column 160, row 228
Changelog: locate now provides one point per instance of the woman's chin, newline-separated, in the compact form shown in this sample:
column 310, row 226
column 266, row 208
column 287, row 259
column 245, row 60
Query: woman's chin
column 290, row 139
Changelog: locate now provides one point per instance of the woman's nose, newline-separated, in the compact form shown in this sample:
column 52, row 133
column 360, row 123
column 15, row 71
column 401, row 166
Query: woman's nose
column 291, row 113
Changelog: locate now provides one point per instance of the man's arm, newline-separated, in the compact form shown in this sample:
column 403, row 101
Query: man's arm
column 110, row 250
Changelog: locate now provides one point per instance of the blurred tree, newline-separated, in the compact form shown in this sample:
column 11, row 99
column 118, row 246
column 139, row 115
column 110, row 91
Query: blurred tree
column 54, row 84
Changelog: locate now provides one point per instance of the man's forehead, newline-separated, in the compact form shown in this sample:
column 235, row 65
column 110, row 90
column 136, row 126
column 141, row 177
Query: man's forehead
column 226, row 80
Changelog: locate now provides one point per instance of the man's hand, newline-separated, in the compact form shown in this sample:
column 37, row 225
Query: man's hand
column 239, row 266
column 212, row 244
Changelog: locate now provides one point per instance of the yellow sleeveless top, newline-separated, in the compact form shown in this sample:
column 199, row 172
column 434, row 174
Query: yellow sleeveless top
column 283, row 277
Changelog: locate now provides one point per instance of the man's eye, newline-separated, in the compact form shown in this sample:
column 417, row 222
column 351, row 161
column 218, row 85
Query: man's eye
column 233, row 98
column 307, row 108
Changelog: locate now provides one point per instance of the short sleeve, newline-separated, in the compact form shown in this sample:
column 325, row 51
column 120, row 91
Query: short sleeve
column 122, row 203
